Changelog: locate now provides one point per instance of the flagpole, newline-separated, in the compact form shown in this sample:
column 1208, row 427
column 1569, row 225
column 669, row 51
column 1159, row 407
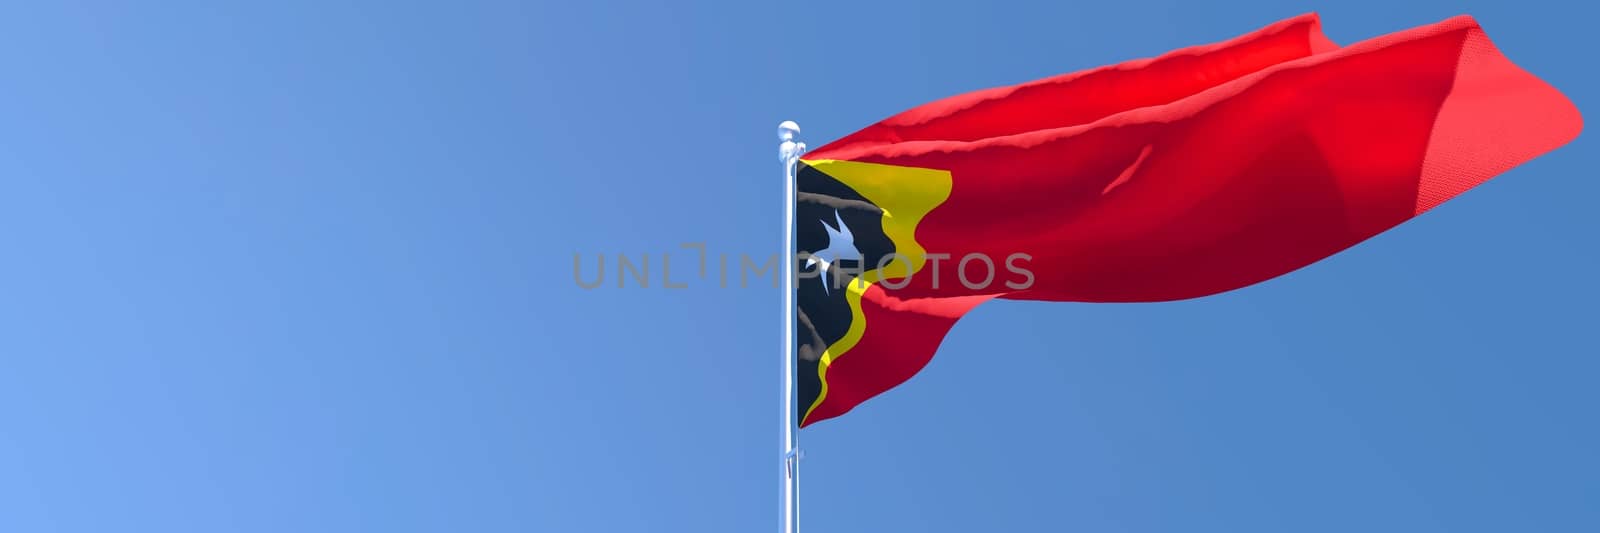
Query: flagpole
column 789, row 152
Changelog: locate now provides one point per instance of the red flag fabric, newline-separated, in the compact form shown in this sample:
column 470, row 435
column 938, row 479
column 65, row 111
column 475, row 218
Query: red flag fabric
column 1200, row 171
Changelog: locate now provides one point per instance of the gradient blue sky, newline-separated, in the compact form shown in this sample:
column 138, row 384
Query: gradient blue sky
column 306, row 266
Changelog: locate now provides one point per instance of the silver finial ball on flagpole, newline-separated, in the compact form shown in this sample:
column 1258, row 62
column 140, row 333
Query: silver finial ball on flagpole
column 790, row 149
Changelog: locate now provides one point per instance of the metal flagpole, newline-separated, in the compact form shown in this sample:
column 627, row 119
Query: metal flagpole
column 789, row 152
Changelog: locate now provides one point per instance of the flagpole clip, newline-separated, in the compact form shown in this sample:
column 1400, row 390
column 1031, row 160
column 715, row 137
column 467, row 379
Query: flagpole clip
column 792, row 460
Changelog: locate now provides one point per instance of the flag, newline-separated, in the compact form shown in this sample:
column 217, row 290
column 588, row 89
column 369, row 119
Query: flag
column 1200, row 171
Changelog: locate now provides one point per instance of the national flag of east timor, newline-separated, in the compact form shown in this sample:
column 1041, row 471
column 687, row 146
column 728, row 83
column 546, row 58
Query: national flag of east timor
column 1197, row 172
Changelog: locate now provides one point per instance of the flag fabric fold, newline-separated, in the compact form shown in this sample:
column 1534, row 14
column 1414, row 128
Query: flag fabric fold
column 1200, row 171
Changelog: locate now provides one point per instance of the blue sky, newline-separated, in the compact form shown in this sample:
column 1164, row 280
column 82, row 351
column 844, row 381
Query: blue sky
column 304, row 266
